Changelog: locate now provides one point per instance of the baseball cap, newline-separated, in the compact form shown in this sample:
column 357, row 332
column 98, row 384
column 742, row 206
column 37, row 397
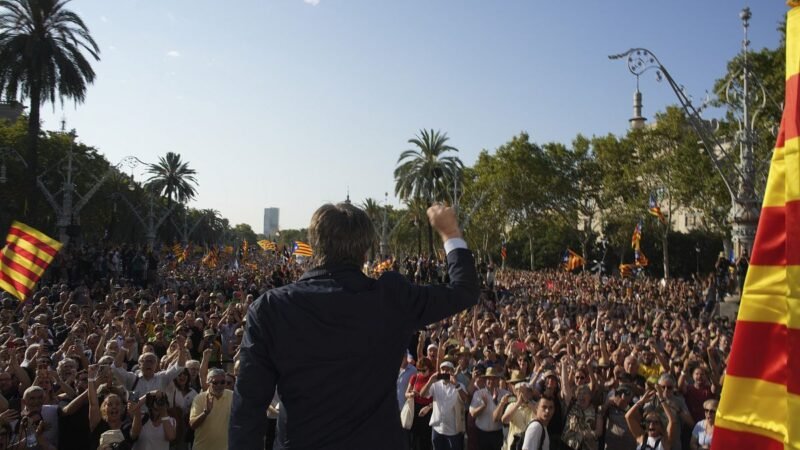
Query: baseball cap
column 448, row 365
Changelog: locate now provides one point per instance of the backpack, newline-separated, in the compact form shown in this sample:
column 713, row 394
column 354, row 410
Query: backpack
column 519, row 438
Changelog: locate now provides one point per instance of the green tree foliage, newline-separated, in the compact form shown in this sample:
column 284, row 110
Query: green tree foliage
column 43, row 47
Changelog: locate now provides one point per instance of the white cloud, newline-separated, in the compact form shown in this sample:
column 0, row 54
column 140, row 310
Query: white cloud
column 173, row 53
column 311, row 2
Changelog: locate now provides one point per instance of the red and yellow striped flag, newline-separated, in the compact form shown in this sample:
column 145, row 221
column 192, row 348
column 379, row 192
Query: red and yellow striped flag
column 24, row 259
column 760, row 405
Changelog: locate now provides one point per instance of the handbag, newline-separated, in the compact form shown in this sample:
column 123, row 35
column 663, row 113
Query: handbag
column 407, row 414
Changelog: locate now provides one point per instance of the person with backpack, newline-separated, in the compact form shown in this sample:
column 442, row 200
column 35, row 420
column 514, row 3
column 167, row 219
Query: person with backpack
column 536, row 436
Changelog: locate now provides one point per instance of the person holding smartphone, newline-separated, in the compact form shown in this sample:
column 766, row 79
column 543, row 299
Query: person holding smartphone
column 449, row 397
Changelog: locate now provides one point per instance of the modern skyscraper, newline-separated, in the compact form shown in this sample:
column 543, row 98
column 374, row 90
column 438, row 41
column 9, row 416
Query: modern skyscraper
column 271, row 221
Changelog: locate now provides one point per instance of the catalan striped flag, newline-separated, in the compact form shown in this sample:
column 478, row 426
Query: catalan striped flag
column 24, row 259
column 760, row 404
column 302, row 249
column 177, row 250
column 655, row 210
column 267, row 245
column 503, row 252
column 637, row 236
column 245, row 248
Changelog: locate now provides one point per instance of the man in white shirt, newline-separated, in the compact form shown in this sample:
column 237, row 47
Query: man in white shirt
column 486, row 408
column 148, row 379
column 536, row 436
column 448, row 397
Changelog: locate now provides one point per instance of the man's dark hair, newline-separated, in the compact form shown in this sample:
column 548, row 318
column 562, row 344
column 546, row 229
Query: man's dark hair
column 340, row 234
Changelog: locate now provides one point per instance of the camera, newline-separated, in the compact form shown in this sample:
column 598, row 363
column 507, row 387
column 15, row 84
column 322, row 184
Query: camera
column 443, row 376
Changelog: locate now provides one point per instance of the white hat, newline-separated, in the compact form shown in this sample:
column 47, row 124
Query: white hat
column 433, row 346
column 447, row 364
column 111, row 437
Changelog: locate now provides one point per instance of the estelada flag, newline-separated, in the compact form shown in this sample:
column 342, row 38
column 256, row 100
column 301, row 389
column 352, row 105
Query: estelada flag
column 760, row 404
column 655, row 210
column 302, row 249
column 27, row 254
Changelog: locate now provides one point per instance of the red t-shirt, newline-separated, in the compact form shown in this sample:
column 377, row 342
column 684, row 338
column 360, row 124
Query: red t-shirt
column 695, row 396
column 419, row 381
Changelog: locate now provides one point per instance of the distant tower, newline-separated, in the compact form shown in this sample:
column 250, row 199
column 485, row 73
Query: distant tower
column 637, row 121
column 348, row 195
column 271, row 221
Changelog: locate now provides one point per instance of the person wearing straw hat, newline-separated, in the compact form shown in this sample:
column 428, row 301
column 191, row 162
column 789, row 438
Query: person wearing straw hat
column 519, row 411
column 448, row 397
column 487, row 408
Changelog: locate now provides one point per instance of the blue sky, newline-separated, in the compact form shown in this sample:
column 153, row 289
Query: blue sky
column 286, row 103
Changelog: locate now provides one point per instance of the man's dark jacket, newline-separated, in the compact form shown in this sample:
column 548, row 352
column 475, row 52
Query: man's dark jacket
column 332, row 345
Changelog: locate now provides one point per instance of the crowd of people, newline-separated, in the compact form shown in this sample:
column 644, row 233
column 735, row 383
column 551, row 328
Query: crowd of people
column 124, row 348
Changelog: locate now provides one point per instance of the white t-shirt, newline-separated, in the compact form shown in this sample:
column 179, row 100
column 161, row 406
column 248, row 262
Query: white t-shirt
column 152, row 437
column 445, row 396
column 484, row 421
column 533, row 435
column 699, row 431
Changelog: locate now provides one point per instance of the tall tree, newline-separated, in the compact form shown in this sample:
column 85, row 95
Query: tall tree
column 375, row 213
column 172, row 178
column 42, row 56
column 425, row 171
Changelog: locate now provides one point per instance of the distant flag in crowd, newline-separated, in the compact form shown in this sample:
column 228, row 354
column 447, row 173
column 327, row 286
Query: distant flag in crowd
column 228, row 250
column 177, row 250
column 573, row 260
column 503, row 252
column 186, row 253
column 267, row 245
column 637, row 236
column 639, row 259
column 655, row 210
column 245, row 248
column 760, row 403
column 626, row 270
column 27, row 254
column 210, row 258
column 302, row 249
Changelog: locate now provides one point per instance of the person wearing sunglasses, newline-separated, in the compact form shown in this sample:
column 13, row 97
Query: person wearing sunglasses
column 654, row 435
column 211, row 412
column 704, row 430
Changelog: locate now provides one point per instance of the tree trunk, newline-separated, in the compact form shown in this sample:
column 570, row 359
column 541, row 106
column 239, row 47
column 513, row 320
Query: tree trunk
column 664, row 242
column 32, row 156
column 419, row 240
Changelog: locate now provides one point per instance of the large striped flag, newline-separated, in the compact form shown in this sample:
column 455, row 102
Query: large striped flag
column 302, row 249
column 24, row 259
column 760, row 405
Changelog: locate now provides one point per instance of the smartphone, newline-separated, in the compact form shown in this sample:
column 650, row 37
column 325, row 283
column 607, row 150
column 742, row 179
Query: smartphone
column 443, row 376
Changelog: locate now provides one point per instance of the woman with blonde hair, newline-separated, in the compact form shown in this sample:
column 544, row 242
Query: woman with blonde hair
column 704, row 429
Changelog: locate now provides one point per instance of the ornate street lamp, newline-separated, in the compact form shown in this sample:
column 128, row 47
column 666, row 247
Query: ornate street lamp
column 739, row 178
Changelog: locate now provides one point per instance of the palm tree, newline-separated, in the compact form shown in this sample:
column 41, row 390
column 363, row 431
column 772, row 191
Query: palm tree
column 42, row 47
column 172, row 178
column 375, row 212
column 424, row 173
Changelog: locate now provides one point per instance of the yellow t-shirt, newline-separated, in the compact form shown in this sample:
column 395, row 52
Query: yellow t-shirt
column 519, row 421
column 213, row 433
